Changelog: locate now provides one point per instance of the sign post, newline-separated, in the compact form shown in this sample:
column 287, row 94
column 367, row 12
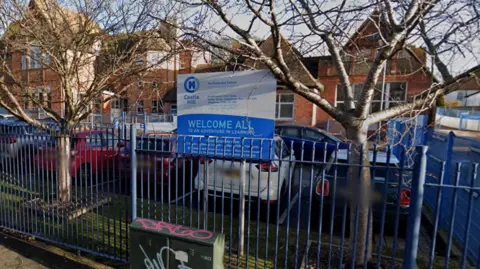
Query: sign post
column 238, row 107
column 241, row 221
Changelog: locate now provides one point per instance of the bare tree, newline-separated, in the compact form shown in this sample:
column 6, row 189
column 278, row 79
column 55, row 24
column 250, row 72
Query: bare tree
column 85, row 48
column 446, row 28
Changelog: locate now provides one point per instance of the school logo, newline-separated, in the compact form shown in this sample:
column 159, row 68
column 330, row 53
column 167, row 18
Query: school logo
column 191, row 84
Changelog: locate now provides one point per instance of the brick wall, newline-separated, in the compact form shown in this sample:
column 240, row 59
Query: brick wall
column 417, row 82
column 35, row 78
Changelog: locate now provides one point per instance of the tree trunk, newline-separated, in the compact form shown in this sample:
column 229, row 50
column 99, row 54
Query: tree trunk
column 360, row 189
column 63, row 153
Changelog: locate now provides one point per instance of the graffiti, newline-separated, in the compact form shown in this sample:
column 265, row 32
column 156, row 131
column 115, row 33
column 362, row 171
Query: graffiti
column 177, row 230
column 157, row 262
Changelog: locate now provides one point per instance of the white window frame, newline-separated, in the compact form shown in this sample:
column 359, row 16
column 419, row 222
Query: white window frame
column 386, row 101
column 35, row 60
column 140, row 104
column 279, row 103
column 156, row 105
column 116, row 104
column 38, row 95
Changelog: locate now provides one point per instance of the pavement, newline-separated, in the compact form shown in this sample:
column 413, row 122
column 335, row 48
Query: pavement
column 13, row 260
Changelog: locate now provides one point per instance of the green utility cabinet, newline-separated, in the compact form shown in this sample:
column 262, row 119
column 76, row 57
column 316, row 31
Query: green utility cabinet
column 162, row 245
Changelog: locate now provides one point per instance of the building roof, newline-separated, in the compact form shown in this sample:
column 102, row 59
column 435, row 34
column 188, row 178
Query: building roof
column 45, row 15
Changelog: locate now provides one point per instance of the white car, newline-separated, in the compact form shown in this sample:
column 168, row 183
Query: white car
column 226, row 173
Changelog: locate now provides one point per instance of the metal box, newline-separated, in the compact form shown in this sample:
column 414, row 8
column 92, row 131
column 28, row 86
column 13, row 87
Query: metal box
column 161, row 245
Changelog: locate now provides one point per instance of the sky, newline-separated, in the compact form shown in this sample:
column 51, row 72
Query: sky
column 457, row 62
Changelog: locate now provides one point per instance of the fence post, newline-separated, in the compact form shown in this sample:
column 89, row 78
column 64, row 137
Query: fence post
column 415, row 211
column 448, row 168
column 144, row 122
column 133, row 169
column 124, row 125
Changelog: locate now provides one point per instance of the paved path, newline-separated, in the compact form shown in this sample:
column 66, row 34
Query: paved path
column 12, row 260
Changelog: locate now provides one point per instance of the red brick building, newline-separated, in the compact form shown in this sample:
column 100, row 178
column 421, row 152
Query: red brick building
column 155, row 91
column 402, row 78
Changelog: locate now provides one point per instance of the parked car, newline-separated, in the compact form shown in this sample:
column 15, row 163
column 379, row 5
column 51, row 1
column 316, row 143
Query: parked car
column 92, row 152
column 19, row 140
column 335, row 175
column 267, row 179
column 157, row 164
column 306, row 139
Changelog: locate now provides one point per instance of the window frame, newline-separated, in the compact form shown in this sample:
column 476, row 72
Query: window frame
column 156, row 106
column 173, row 107
column 299, row 131
column 24, row 62
column 140, row 104
column 97, row 141
column 305, row 136
column 279, row 103
column 36, row 56
column 387, row 102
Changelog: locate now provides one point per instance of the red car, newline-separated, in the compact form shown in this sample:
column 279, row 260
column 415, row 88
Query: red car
column 91, row 152
column 157, row 164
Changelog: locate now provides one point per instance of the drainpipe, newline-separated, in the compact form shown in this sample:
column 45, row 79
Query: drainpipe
column 314, row 115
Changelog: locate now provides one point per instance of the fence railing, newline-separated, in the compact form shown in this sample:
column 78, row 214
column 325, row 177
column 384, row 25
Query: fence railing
column 457, row 112
column 451, row 195
column 283, row 209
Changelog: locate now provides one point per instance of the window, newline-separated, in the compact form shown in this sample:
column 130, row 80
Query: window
column 116, row 104
column 24, row 62
column 40, row 95
column 109, row 140
column 140, row 107
column 281, row 149
column 35, row 57
column 120, row 103
column 285, row 105
column 173, row 109
column 396, row 93
column 313, row 135
column 290, row 132
column 393, row 93
column 461, row 96
column 94, row 140
column 97, row 106
column 157, row 106
column 46, row 59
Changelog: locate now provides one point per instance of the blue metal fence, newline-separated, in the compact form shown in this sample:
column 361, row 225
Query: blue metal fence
column 451, row 195
column 275, row 213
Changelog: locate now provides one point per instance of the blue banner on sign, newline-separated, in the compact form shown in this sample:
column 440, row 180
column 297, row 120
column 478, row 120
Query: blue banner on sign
column 225, row 125
column 228, row 147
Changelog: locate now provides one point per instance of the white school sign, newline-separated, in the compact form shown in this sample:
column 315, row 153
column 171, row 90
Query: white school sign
column 227, row 104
